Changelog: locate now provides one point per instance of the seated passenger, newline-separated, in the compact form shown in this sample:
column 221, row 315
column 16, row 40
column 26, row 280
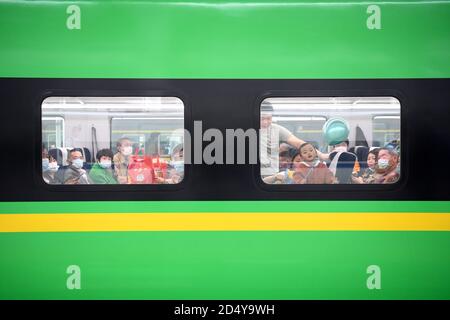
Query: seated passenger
column 176, row 167
column 284, row 160
column 311, row 170
column 121, row 160
column 387, row 169
column 367, row 177
column 101, row 172
column 285, row 176
column 74, row 173
column 50, row 171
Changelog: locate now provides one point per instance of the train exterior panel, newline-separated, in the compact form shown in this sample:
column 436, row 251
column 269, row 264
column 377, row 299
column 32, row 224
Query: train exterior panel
column 222, row 233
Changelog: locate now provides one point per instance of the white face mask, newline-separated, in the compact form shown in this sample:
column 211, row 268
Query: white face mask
column 45, row 164
column 126, row 151
column 53, row 166
column 106, row 164
column 77, row 163
column 383, row 163
column 340, row 149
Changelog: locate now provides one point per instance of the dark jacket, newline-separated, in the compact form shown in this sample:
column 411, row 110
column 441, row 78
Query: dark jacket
column 73, row 175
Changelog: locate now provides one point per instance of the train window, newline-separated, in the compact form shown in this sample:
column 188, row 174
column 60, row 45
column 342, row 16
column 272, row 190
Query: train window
column 53, row 132
column 330, row 140
column 385, row 128
column 112, row 140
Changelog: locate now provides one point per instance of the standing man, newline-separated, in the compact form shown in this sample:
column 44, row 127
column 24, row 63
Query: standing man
column 270, row 138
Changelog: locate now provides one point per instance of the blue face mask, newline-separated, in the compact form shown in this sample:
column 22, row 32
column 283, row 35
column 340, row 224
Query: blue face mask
column 45, row 164
column 78, row 163
column 105, row 164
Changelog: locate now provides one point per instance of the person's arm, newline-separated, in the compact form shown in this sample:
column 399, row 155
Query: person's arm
column 288, row 137
column 294, row 141
column 276, row 177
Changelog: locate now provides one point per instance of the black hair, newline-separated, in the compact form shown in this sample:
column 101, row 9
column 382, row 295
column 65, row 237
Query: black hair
column 104, row 153
column 374, row 152
column 266, row 107
column 285, row 154
column 294, row 154
column 75, row 150
column 304, row 145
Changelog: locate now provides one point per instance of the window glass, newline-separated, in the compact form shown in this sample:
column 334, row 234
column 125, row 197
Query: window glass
column 386, row 128
column 53, row 132
column 112, row 140
column 330, row 140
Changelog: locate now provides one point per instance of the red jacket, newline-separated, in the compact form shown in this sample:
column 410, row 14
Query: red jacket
column 318, row 174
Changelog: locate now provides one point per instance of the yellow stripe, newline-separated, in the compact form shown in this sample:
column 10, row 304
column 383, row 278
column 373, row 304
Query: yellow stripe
column 82, row 222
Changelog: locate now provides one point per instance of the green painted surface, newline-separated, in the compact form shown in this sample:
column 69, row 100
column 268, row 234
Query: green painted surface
column 223, row 206
column 222, row 39
column 226, row 265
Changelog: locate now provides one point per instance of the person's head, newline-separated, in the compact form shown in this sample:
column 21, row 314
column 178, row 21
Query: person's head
column 307, row 152
column 76, row 158
column 284, row 160
column 284, row 147
column 49, row 164
column 341, row 147
column 266, row 115
column 125, row 146
column 372, row 158
column 387, row 160
column 296, row 160
column 104, row 157
column 44, row 151
column 177, row 153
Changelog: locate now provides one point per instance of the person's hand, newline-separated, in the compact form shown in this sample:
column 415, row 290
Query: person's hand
column 323, row 156
column 160, row 180
column 357, row 180
column 279, row 176
column 176, row 178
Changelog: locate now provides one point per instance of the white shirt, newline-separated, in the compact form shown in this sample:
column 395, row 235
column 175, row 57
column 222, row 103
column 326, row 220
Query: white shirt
column 269, row 145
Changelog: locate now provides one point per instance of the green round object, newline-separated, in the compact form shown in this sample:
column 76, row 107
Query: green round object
column 335, row 131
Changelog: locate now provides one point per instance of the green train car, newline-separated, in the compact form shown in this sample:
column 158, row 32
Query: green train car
column 162, row 176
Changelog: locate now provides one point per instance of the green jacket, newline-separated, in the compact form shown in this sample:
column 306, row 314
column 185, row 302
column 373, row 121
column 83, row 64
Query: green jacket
column 100, row 175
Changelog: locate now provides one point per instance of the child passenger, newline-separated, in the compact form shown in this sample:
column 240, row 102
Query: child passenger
column 101, row 172
column 367, row 177
column 285, row 175
column 311, row 170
